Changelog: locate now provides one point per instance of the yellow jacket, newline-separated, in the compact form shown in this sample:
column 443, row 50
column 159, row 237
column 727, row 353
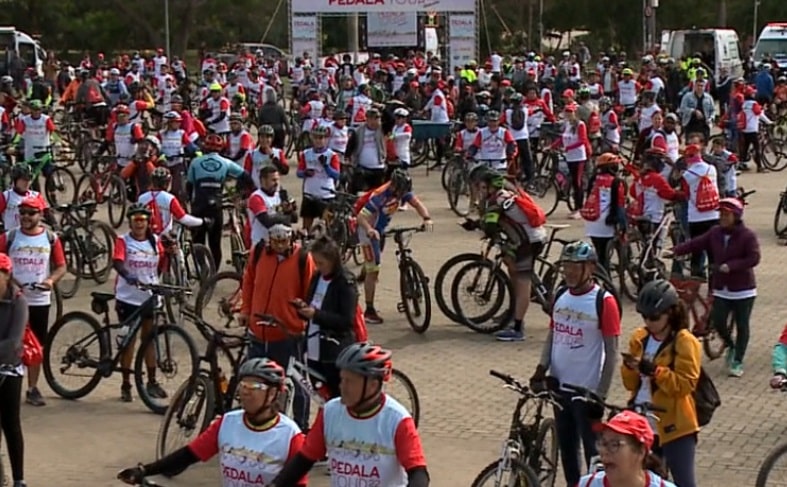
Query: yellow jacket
column 670, row 389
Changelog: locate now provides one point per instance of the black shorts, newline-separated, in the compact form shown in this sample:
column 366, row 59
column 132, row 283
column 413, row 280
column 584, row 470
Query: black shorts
column 124, row 310
column 38, row 318
column 312, row 207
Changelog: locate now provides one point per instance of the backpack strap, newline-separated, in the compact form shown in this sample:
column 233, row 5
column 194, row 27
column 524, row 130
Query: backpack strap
column 153, row 242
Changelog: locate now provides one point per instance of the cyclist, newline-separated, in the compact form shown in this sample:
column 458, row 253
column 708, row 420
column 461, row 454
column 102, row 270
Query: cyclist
column 581, row 349
column 514, row 213
column 320, row 169
column 269, row 205
column 36, row 131
column 493, row 144
column 662, row 367
column 254, row 440
column 265, row 155
column 604, row 210
column 239, row 141
column 205, row 184
column 624, row 444
column 779, row 361
column 138, row 258
column 175, row 143
column 11, row 198
column 375, row 210
column 167, row 205
column 363, row 431
column 137, row 172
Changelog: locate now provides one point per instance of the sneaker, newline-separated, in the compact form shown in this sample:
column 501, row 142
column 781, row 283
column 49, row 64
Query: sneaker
column 729, row 357
column 125, row 393
column 736, row 370
column 35, row 398
column 372, row 317
column 155, row 391
column 575, row 216
column 17, row 483
column 509, row 335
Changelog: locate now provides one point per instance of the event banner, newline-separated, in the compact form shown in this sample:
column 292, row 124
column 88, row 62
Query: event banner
column 461, row 26
column 304, row 35
column 462, row 51
column 391, row 29
column 367, row 6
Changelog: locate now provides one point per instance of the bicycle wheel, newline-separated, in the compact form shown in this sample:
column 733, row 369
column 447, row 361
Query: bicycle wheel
column 780, row 218
column 546, row 192
column 82, row 354
column 200, row 265
column 453, row 264
column 712, row 343
column 57, row 302
column 623, row 268
column 189, row 414
column 115, row 195
column 99, row 243
column 401, row 388
column 489, row 286
column 447, row 173
column 517, row 475
column 238, row 261
column 544, row 462
column 416, row 299
column 170, row 359
column 219, row 298
column 459, row 198
column 69, row 283
column 57, row 184
column 770, row 471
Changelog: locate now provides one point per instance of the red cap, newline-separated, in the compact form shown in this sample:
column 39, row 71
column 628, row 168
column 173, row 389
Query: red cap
column 749, row 91
column 632, row 424
column 35, row 202
column 5, row 263
column 691, row 150
column 505, row 82
column 569, row 93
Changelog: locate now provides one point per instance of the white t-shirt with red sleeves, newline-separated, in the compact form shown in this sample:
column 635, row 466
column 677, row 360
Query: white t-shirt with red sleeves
column 578, row 336
column 373, row 450
column 261, row 202
column 249, row 456
column 142, row 262
column 168, row 206
column 34, row 257
column 9, row 206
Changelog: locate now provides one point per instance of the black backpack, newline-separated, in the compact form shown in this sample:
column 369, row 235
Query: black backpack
column 517, row 117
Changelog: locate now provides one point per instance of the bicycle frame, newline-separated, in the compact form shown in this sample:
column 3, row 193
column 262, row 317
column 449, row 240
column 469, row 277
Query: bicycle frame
column 689, row 294
column 300, row 375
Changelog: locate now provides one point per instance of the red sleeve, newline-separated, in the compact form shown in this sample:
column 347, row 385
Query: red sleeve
column 296, row 444
column 756, row 109
column 3, row 202
column 314, row 445
column 257, row 205
column 477, row 141
column 50, row 125
column 684, row 186
column 185, row 139
column 176, row 209
column 301, row 162
column 20, row 126
column 659, row 142
column 224, row 105
column 458, row 142
column 247, row 163
column 305, row 109
column 409, row 451
column 610, row 317
column 246, row 143
column 613, row 118
column 136, row 132
column 57, row 256
column 336, row 164
column 503, row 117
column 120, row 249
column 3, row 242
column 438, row 101
column 547, row 112
column 110, row 133
column 663, row 189
column 508, row 138
column 206, row 445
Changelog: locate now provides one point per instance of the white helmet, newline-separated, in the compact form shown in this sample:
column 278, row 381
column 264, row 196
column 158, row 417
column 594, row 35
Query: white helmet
column 279, row 231
column 153, row 140
column 401, row 112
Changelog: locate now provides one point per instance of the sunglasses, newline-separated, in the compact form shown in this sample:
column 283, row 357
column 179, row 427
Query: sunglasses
column 138, row 218
column 29, row 212
column 254, row 386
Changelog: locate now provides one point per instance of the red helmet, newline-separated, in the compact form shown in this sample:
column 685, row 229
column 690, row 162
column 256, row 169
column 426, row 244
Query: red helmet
column 213, row 143
column 122, row 109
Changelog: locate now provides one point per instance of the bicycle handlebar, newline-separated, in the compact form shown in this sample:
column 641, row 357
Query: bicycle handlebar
column 514, row 384
column 401, row 230
column 164, row 289
column 586, row 395
column 270, row 320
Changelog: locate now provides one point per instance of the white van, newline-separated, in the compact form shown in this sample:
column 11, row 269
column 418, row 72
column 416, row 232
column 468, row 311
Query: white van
column 17, row 43
column 720, row 48
column 773, row 43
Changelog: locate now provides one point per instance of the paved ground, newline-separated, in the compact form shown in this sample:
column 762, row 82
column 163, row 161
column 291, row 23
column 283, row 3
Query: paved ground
column 465, row 413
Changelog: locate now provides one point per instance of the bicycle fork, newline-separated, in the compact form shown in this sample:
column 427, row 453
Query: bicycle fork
column 512, row 450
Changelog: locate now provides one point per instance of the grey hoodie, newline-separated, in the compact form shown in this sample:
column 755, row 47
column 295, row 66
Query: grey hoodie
column 13, row 319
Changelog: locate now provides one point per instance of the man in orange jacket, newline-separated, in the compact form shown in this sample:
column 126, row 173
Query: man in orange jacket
column 278, row 273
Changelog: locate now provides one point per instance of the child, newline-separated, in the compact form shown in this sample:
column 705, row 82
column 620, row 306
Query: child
column 779, row 361
column 726, row 163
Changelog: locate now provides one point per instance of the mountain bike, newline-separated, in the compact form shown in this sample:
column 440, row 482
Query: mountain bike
column 190, row 265
column 90, row 357
column 103, row 184
column 414, row 290
column 341, row 225
column 57, row 178
column 699, row 310
column 552, row 184
column 458, row 186
column 205, row 395
column 225, row 287
column 233, row 206
column 530, row 453
column 771, row 473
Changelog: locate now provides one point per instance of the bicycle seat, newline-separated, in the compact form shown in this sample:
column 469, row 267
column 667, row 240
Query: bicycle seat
column 557, row 226
column 102, row 298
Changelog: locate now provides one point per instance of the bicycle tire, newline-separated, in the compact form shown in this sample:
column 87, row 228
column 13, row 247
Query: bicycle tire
column 202, row 387
column 767, row 465
column 525, row 476
column 459, row 186
column 412, row 392
column 140, row 369
column 202, row 263
column 712, row 337
column 539, row 188
column 205, row 293
column 781, row 211
column 73, row 269
column 237, row 261
column 550, row 457
column 490, row 321
column 115, row 195
column 56, row 298
column 100, row 274
column 104, row 352
column 439, row 293
column 445, row 174
column 411, row 277
column 51, row 185
column 170, row 277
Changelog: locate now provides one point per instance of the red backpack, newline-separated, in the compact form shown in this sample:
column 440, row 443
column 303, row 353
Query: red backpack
column 359, row 325
column 156, row 221
column 707, row 198
column 591, row 210
column 534, row 213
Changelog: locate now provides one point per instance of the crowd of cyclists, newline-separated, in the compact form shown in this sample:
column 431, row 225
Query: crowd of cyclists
column 180, row 140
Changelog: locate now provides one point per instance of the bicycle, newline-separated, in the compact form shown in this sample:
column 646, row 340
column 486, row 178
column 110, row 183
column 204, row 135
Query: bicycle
column 553, row 176
column 56, row 296
column 339, row 222
column 56, row 177
column 78, row 356
column 233, row 206
column 458, row 185
column 689, row 294
column 524, row 454
column 228, row 283
column 413, row 284
column 85, row 242
column 189, row 265
column 209, row 391
column 769, row 465
column 103, row 184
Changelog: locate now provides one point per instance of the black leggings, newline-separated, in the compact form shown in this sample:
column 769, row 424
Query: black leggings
column 751, row 139
column 575, row 169
column 213, row 233
column 10, row 401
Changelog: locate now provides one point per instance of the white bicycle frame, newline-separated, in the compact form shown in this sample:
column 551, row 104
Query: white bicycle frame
column 298, row 375
column 655, row 245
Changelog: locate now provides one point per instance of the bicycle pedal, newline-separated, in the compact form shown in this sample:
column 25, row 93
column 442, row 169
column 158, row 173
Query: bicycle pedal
column 401, row 307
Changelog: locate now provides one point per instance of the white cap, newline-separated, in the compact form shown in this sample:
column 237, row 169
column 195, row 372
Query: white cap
column 401, row 112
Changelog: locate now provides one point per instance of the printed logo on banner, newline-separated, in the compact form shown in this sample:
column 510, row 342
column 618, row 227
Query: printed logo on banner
column 345, row 6
column 461, row 26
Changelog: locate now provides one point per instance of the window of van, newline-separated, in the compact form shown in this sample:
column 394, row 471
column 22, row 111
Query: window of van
column 770, row 47
column 28, row 54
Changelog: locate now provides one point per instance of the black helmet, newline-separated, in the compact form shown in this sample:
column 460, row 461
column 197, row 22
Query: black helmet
column 367, row 360
column 266, row 130
column 161, row 177
column 656, row 297
column 176, row 99
column 400, row 181
column 136, row 209
column 269, row 371
column 21, row 171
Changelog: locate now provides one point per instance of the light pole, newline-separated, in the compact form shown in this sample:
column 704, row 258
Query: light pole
column 756, row 13
column 166, row 28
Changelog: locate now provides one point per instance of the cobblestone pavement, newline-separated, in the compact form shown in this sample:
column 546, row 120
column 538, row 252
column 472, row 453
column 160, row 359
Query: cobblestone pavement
column 465, row 413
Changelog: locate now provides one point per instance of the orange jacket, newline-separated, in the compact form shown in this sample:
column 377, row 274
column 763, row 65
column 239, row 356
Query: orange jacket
column 71, row 92
column 269, row 286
